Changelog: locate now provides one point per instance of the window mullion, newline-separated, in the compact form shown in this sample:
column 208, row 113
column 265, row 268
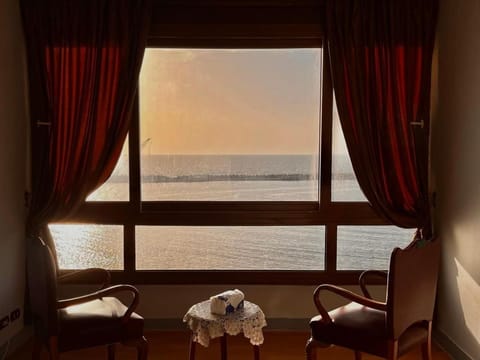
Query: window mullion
column 129, row 249
column 134, row 158
column 331, row 248
column 326, row 135
column 135, row 197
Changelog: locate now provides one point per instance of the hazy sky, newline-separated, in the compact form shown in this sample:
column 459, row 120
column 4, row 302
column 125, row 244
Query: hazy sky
column 230, row 101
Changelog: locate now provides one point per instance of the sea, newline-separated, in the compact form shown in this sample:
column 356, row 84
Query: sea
column 245, row 177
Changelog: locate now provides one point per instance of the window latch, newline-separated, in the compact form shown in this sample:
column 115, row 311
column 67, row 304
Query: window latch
column 418, row 123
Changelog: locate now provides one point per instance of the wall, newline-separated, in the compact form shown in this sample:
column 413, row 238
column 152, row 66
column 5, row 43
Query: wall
column 286, row 307
column 12, row 165
column 456, row 145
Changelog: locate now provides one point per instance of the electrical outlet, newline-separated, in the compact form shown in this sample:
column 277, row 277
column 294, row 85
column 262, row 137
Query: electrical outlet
column 4, row 322
column 10, row 322
column 8, row 319
column 15, row 315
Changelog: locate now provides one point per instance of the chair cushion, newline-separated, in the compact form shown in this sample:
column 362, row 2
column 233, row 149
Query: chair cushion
column 362, row 328
column 95, row 323
column 353, row 326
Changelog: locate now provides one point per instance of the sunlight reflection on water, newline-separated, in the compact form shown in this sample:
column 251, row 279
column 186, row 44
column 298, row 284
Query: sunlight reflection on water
column 263, row 248
column 84, row 246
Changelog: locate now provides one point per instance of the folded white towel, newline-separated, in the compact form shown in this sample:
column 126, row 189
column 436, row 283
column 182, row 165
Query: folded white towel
column 226, row 302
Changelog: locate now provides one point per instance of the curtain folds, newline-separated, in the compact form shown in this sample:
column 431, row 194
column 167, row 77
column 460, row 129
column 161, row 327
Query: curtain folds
column 381, row 55
column 84, row 59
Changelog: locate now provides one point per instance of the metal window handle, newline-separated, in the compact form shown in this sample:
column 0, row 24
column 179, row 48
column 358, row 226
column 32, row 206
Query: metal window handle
column 418, row 123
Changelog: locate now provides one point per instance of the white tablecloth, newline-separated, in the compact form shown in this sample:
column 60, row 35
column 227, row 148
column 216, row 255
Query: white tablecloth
column 205, row 326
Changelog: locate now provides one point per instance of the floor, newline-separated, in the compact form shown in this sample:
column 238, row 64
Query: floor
column 173, row 345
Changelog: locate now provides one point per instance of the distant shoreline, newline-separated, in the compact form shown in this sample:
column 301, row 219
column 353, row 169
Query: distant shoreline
column 212, row 178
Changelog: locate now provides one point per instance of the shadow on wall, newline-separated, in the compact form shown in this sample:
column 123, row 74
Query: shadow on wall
column 458, row 298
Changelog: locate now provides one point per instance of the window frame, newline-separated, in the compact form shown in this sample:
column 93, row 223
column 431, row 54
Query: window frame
column 174, row 26
column 188, row 213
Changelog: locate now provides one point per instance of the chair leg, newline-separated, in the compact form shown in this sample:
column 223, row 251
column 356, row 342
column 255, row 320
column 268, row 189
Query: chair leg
column 223, row 347
column 427, row 345
column 393, row 350
column 53, row 348
column 310, row 349
column 111, row 351
column 358, row 355
column 36, row 349
column 142, row 348
column 256, row 352
column 191, row 353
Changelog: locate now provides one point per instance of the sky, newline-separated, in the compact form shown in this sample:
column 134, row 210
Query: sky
column 230, row 101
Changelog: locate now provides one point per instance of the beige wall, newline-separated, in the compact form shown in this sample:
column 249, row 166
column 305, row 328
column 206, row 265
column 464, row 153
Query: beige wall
column 456, row 152
column 277, row 301
column 12, row 165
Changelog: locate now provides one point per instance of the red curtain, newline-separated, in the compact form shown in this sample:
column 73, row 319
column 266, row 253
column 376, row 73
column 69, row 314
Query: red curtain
column 84, row 59
column 381, row 54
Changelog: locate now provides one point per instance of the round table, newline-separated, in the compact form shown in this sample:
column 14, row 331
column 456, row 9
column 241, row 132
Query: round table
column 205, row 326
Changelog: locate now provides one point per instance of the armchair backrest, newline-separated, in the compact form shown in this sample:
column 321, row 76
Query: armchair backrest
column 42, row 286
column 412, row 285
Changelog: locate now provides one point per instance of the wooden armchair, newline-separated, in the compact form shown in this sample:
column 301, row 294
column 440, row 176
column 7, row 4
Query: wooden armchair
column 90, row 320
column 386, row 329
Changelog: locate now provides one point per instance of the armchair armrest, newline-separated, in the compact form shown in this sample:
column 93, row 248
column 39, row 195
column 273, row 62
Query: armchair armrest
column 346, row 294
column 102, row 293
column 363, row 277
column 98, row 275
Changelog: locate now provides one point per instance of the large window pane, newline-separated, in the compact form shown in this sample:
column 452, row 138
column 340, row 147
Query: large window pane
column 84, row 246
column 344, row 182
column 230, row 248
column 116, row 188
column 369, row 247
column 236, row 125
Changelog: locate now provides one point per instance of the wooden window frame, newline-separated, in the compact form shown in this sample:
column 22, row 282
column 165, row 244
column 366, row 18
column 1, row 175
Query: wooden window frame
column 176, row 26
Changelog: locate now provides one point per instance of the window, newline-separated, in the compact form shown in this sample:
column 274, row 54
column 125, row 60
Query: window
column 230, row 125
column 368, row 247
column 235, row 169
column 84, row 246
column 229, row 248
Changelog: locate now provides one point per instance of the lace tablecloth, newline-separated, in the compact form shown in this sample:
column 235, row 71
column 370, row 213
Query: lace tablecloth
column 205, row 326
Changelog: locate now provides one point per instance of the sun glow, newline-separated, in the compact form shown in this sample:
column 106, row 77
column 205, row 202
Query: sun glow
column 221, row 101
